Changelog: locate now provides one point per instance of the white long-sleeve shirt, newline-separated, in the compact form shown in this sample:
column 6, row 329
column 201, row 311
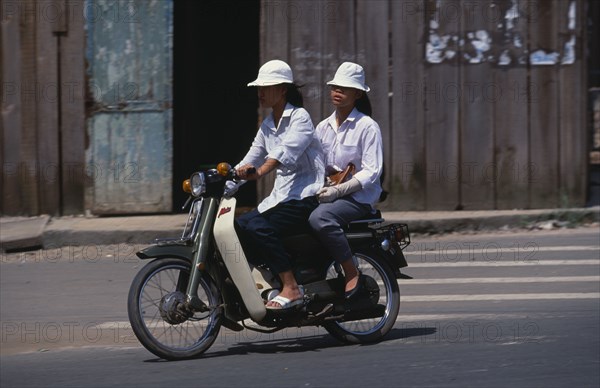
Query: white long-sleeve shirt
column 293, row 143
column 357, row 140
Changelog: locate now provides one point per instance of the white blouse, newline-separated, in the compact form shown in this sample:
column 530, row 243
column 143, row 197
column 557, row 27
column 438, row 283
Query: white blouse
column 294, row 144
column 357, row 140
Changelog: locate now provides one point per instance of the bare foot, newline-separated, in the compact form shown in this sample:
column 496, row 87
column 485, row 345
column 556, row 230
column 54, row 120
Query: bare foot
column 350, row 284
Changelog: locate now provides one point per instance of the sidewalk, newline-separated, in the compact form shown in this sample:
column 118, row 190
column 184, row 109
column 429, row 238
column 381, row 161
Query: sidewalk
column 22, row 233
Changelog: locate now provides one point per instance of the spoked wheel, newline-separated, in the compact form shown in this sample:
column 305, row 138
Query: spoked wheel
column 158, row 318
column 370, row 329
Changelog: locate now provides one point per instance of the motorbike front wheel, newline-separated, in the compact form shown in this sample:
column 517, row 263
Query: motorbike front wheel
column 157, row 319
column 370, row 329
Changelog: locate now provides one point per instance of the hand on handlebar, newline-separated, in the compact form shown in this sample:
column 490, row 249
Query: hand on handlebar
column 241, row 176
column 231, row 188
column 247, row 172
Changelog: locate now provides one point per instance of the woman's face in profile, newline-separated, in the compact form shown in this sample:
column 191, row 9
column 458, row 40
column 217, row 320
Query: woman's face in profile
column 269, row 96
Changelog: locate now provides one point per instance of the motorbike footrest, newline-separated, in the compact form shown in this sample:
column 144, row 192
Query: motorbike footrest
column 231, row 325
column 326, row 310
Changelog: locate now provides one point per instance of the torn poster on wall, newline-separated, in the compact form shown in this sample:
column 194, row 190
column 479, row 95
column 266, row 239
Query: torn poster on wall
column 503, row 46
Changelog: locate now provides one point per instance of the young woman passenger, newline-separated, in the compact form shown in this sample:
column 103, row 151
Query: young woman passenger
column 348, row 135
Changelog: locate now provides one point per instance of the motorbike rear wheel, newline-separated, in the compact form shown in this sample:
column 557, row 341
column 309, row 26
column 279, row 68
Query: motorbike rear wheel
column 371, row 329
column 154, row 295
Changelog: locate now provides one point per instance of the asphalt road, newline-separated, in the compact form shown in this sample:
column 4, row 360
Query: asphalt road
column 519, row 309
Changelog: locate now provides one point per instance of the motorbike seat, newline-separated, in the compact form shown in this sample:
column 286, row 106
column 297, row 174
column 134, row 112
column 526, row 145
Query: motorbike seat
column 374, row 218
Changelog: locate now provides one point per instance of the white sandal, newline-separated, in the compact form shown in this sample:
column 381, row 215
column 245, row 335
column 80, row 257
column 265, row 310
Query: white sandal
column 286, row 303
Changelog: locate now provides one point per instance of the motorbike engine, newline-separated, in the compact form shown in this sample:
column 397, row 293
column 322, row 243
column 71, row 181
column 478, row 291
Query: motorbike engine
column 172, row 308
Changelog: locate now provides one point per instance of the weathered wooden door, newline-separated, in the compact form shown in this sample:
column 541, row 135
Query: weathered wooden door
column 129, row 106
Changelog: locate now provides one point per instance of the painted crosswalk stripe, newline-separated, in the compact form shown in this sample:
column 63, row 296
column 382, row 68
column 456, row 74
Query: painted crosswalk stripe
column 450, row 249
column 463, row 316
column 501, row 263
column 551, row 279
column 496, row 297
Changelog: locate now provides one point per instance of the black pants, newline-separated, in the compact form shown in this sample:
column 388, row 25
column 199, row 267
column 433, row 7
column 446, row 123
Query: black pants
column 261, row 234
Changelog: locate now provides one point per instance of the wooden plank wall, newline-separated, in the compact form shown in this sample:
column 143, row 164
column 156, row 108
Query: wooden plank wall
column 458, row 135
column 42, row 107
column 511, row 129
column 573, row 142
column 470, row 119
column 10, row 77
column 408, row 169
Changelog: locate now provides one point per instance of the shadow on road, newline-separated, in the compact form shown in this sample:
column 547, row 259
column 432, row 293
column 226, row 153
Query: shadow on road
column 304, row 344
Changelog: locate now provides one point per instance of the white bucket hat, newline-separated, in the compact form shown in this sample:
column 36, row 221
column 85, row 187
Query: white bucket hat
column 350, row 75
column 274, row 72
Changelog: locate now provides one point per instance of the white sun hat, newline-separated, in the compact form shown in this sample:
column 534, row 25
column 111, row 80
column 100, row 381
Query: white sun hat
column 274, row 72
column 350, row 75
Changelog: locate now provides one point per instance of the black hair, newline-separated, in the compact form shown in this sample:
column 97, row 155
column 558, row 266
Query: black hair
column 294, row 96
column 363, row 105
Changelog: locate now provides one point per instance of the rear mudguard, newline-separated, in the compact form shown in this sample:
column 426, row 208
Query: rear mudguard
column 159, row 251
column 388, row 240
column 394, row 257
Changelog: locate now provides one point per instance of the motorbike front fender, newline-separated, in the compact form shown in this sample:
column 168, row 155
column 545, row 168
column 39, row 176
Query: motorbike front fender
column 158, row 251
column 235, row 260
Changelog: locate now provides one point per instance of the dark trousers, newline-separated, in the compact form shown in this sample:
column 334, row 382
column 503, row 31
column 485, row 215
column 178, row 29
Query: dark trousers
column 261, row 234
column 327, row 221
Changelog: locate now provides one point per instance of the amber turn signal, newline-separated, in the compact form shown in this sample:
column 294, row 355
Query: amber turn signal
column 187, row 186
column 223, row 168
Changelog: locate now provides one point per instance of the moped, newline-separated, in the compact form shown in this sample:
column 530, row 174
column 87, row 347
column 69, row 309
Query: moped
column 202, row 281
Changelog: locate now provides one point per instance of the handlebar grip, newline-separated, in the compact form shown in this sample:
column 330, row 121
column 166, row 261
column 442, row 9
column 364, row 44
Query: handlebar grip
column 249, row 171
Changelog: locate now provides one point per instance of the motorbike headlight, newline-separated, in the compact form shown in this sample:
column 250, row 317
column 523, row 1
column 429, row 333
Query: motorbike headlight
column 198, row 183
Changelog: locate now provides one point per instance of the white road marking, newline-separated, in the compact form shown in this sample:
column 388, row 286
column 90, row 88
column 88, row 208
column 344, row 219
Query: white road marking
column 551, row 279
column 446, row 248
column 442, row 263
column 496, row 297
column 113, row 325
column 464, row 316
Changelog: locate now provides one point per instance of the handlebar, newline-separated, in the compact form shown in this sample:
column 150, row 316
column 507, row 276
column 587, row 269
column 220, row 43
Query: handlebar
column 224, row 172
column 249, row 171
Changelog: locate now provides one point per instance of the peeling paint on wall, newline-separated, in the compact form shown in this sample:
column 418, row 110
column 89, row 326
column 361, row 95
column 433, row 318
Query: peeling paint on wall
column 478, row 46
column 129, row 124
column 540, row 57
column 481, row 42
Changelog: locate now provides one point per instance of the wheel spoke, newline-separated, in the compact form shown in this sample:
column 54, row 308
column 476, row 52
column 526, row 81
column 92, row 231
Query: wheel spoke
column 159, row 291
column 369, row 327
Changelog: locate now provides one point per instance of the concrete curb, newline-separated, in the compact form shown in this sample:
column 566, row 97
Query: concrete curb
column 46, row 232
column 459, row 221
column 19, row 232
column 66, row 231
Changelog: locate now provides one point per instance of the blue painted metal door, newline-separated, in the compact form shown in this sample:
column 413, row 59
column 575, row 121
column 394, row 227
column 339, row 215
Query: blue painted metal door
column 129, row 106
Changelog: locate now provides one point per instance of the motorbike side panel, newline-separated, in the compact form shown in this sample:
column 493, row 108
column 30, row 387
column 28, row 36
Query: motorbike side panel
column 235, row 260
column 311, row 259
